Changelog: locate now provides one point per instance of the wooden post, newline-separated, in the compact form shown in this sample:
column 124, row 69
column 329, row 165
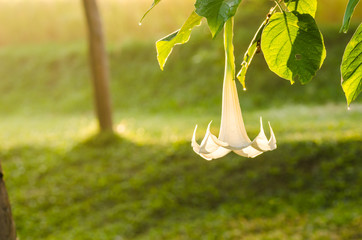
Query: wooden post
column 7, row 226
column 99, row 65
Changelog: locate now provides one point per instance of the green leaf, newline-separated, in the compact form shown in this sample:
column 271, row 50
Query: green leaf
column 293, row 46
column 302, row 6
column 217, row 12
column 348, row 14
column 165, row 45
column 155, row 2
column 351, row 68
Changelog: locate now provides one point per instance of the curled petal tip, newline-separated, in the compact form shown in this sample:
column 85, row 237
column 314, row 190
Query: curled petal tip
column 261, row 124
column 194, row 135
column 193, row 139
column 270, row 128
column 272, row 139
column 208, row 127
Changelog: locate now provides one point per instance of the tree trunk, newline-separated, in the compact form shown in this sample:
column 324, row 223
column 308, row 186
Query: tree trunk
column 7, row 226
column 99, row 65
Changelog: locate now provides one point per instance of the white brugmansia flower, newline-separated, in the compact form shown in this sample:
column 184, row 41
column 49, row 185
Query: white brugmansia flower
column 232, row 135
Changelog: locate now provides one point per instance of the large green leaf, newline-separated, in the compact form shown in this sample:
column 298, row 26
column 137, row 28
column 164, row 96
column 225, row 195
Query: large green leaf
column 351, row 67
column 348, row 14
column 155, row 2
column 293, row 46
column 165, row 45
column 217, row 12
column 302, row 6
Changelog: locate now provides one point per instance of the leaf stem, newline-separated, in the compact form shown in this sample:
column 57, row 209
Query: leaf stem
column 253, row 48
column 279, row 6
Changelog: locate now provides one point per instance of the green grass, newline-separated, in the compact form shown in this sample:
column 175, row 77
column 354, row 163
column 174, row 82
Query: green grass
column 67, row 183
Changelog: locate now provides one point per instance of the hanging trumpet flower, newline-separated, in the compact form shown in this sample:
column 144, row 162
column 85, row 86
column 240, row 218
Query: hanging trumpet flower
column 232, row 135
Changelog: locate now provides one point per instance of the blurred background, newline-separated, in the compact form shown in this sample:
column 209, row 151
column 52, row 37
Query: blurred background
column 66, row 182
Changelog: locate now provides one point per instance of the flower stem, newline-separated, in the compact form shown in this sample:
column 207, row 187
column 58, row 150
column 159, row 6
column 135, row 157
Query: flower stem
column 229, row 48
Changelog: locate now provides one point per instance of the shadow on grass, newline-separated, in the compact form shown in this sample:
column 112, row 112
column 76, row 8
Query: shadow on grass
column 116, row 186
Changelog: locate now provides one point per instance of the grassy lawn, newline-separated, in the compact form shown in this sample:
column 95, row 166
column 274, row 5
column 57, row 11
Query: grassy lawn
column 146, row 183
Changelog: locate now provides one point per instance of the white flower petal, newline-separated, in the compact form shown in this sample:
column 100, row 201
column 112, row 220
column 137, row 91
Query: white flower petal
column 232, row 129
column 249, row 152
column 261, row 142
column 207, row 145
column 220, row 152
column 272, row 140
column 208, row 149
